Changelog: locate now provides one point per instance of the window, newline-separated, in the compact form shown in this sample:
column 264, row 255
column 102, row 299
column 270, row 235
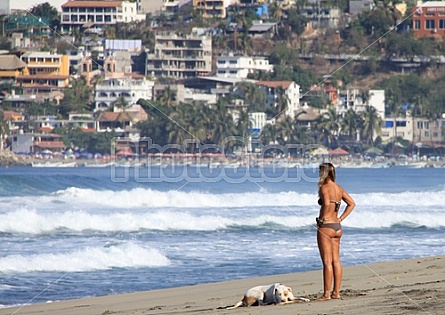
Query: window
column 401, row 123
column 426, row 124
column 420, row 125
column 442, row 24
column 427, row 134
column 435, row 134
column 389, row 124
column 429, row 24
column 417, row 24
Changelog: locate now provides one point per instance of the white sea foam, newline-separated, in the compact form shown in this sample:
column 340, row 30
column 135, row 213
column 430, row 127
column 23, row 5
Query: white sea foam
column 145, row 209
column 128, row 255
column 149, row 198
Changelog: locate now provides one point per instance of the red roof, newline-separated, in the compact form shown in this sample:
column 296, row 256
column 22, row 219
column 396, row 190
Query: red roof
column 91, row 4
column 275, row 84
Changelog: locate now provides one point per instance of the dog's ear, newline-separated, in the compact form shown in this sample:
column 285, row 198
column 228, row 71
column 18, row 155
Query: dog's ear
column 289, row 288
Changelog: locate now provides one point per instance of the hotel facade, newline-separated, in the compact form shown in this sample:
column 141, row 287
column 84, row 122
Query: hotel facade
column 96, row 15
column 429, row 19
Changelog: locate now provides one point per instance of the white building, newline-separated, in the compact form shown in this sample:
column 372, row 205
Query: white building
column 377, row 100
column 258, row 119
column 95, row 15
column 180, row 56
column 240, row 66
column 111, row 89
column 400, row 127
column 291, row 92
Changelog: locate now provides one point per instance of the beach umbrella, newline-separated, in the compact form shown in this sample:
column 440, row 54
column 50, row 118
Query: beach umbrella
column 374, row 150
column 338, row 151
column 320, row 151
column 125, row 152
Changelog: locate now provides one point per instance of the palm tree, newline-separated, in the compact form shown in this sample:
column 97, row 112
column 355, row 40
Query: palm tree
column 4, row 129
column 268, row 134
column 329, row 127
column 286, row 133
column 276, row 11
column 243, row 123
column 177, row 127
column 282, row 100
column 168, row 96
column 371, row 124
column 351, row 122
column 223, row 127
column 122, row 104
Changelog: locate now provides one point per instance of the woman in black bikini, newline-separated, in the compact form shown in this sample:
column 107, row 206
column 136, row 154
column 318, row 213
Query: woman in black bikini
column 329, row 229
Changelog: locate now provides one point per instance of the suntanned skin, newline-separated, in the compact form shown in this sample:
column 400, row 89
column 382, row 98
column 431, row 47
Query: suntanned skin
column 329, row 240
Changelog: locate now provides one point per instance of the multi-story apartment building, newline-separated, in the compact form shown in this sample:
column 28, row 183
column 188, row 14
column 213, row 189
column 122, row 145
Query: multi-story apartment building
column 322, row 17
column 98, row 14
column 44, row 73
column 428, row 132
column 291, row 92
column 358, row 99
column 212, row 8
column 358, row 6
column 180, row 56
column 399, row 127
column 240, row 66
column 429, row 19
column 111, row 89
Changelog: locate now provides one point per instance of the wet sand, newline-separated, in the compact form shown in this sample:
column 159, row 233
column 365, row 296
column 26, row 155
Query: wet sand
column 413, row 286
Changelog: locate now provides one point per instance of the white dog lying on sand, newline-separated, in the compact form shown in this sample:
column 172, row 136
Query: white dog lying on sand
column 276, row 293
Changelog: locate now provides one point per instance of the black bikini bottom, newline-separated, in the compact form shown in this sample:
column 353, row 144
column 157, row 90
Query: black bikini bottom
column 336, row 226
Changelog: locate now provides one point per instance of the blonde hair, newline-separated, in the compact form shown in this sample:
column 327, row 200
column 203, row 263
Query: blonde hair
column 327, row 172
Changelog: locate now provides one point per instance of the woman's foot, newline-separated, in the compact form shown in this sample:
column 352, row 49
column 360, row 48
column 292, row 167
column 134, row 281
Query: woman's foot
column 335, row 295
column 324, row 298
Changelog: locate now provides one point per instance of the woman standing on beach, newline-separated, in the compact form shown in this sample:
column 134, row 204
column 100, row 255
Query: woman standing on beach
column 329, row 229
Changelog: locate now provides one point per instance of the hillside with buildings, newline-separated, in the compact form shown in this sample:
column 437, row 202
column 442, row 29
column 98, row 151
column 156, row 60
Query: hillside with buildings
column 352, row 74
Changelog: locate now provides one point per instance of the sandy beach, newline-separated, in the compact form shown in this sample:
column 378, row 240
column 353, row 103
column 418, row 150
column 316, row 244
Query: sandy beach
column 413, row 286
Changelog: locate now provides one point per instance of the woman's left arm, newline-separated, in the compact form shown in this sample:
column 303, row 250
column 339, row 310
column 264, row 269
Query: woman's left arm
column 350, row 205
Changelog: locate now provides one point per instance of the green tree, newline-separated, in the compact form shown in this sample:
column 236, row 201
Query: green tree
column 268, row 134
column 285, row 130
column 351, row 123
column 76, row 98
column 371, row 124
column 329, row 126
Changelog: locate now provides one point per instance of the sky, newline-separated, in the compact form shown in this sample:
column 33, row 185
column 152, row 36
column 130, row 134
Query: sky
column 28, row 4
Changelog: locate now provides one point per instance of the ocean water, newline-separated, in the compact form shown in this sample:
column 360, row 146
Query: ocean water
column 70, row 233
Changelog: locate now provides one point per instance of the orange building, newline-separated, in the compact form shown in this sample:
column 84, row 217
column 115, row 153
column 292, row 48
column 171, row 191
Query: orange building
column 44, row 74
column 429, row 19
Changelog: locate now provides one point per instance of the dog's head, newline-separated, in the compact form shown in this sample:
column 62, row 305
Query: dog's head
column 283, row 293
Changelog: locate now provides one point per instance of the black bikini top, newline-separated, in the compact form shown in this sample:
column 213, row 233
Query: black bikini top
column 337, row 203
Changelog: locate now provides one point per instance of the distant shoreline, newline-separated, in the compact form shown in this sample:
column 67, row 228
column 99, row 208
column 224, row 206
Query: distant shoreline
column 8, row 158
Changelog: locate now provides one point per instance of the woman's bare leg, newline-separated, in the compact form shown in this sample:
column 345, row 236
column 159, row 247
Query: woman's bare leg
column 338, row 270
column 329, row 247
column 325, row 248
